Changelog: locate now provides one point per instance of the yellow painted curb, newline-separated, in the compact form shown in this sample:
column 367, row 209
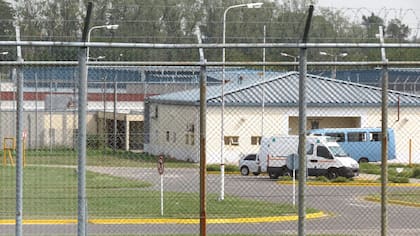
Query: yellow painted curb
column 40, row 222
column 344, row 184
column 170, row 221
column 398, row 202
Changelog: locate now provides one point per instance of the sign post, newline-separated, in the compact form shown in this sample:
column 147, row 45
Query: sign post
column 161, row 168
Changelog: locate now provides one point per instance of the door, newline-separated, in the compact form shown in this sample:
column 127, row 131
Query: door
column 319, row 163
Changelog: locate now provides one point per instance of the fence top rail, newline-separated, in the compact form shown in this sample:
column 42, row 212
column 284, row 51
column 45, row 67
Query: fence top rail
column 208, row 46
column 209, row 63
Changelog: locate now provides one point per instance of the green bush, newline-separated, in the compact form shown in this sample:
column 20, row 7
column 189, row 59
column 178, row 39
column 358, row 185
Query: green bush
column 369, row 168
column 94, row 141
column 322, row 179
column 230, row 168
column 341, row 179
column 213, row 167
column 398, row 179
column 286, row 178
column 416, row 173
column 216, row 167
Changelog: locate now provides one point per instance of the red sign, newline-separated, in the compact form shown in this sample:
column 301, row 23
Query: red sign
column 160, row 165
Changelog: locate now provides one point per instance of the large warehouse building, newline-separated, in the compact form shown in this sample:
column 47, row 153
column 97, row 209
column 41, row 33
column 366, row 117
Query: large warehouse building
column 269, row 106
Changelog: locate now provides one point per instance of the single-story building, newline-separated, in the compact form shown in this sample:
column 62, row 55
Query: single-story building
column 269, row 106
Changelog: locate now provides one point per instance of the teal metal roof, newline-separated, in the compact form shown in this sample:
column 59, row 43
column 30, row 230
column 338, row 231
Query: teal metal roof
column 283, row 90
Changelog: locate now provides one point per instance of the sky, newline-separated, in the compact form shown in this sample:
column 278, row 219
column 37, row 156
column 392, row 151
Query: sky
column 408, row 11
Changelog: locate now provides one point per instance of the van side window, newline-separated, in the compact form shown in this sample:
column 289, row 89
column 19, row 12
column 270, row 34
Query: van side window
column 338, row 136
column 310, row 149
column 251, row 157
column 356, row 137
column 375, row 136
column 322, row 151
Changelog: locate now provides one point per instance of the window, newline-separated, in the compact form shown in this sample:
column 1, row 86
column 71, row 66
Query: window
column 375, row 136
column 167, row 136
column 173, row 137
column 255, row 140
column 190, row 128
column 156, row 114
column 251, row 157
column 338, row 136
column 322, row 151
column 192, row 139
column 232, row 140
column 314, row 124
column 310, row 149
column 356, row 137
column 190, row 135
column 189, row 139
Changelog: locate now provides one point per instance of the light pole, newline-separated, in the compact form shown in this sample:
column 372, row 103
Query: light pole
column 222, row 164
column 335, row 57
column 109, row 27
column 291, row 56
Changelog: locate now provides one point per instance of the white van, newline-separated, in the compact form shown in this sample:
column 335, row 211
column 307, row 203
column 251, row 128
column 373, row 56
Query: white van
column 249, row 164
column 278, row 157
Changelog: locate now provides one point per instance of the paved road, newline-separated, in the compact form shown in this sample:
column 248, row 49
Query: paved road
column 347, row 212
column 345, row 205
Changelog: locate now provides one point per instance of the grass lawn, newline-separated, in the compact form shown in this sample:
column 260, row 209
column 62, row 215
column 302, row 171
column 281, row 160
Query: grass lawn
column 98, row 157
column 51, row 192
column 410, row 198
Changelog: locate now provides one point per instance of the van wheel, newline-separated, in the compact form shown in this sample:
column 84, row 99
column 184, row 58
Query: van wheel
column 273, row 175
column 363, row 160
column 285, row 172
column 244, row 171
column 332, row 173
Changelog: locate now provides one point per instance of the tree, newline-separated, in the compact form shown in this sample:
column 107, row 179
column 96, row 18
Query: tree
column 7, row 31
column 397, row 30
column 372, row 23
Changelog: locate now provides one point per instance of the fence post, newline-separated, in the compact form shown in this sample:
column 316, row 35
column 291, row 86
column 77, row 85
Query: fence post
column 203, row 112
column 82, row 106
column 302, row 127
column 19, row 129
column 384, row 169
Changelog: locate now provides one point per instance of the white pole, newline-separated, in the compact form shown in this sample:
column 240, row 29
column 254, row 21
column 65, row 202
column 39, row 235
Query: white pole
column 161, row 195
column 222, row 141
column 294, row 182
column 263, row 91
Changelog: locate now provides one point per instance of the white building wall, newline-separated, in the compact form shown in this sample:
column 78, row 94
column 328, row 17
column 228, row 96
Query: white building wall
column 246, row 122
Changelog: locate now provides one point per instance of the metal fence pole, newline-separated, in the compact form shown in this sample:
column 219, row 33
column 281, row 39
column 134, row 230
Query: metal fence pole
column 302, row 128
column 36, row 111
column 115, row 114
column 1, row 121
column 19, row 157
column 19, row 129
column 203, row 161
column 384, row 154
column 50, row 123
column 81, row 167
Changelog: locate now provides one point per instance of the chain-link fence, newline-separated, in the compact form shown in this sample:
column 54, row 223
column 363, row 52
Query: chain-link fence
column 137, row 114
column 161, row 141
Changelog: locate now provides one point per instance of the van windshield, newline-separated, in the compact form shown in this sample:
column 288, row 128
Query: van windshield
column 338, row 151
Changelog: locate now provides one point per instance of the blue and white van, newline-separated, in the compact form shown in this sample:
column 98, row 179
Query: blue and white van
column 362, row 144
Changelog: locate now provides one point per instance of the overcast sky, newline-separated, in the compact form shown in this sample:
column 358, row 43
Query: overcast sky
column 408, row 11
column 404, row 4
